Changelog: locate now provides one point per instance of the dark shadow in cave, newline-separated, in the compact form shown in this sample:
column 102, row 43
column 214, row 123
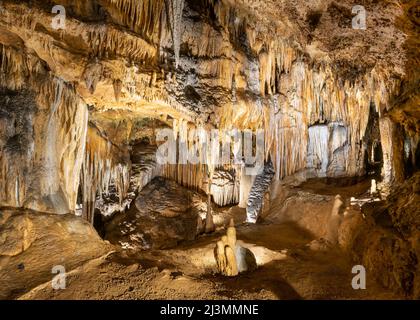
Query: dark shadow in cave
column 373, row 156
column 99, row 223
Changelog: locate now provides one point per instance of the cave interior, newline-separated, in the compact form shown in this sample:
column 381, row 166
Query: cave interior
column 209, row 149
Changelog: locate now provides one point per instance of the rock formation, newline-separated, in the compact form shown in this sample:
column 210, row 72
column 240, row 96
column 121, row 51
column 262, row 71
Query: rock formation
column 385, row 241
column 231, row 258
column 335, row 220
column 257, row 193
column 70, row 241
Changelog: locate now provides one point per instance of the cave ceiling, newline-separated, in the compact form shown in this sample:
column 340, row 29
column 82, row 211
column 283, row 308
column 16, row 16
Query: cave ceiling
column 119, row 54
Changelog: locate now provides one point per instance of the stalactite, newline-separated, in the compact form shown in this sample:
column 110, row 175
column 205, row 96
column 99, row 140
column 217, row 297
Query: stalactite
column 103, row 40
column 55, row 130
column 273, row 85
column 117, row 84
column 298, row 96
column 335, row 220
column 318, row 150
column 92, row 75
column 225, row 187
column 175, row 9
column 141, row 16
column 220, row 181
column 104, row 166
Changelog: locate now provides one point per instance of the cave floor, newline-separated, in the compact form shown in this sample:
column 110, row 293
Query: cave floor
column 288, row 269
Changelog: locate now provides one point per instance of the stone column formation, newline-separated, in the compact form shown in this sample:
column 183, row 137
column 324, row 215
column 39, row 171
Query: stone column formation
column 231, row 258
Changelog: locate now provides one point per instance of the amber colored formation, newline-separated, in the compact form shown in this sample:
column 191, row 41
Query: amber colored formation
column 232, row 258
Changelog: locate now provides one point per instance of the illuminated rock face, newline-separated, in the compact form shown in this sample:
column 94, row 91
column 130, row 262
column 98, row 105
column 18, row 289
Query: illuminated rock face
column 38, row 242
column 189, row 64
column 328, row 150
column 43, row 132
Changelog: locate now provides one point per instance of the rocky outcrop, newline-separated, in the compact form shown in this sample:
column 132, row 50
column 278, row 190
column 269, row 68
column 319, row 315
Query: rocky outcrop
column 164, row 214
column 309, row 210
column 386, row 242
column 33, row 243
column 42, row 136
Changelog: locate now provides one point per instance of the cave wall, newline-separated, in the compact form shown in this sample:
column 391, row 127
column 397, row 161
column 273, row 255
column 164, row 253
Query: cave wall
column 385, row 239
column 43, row 132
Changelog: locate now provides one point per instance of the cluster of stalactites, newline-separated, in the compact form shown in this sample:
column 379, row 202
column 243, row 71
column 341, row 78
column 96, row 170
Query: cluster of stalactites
column 103, row 41
column 174, row 9
column 219, row 180
column 16, row 68
column 289, row 94
column 54, row 136
column 103, row 167
column 143, row 17
column 13, row 182
column 292, row 95
column 225, row 187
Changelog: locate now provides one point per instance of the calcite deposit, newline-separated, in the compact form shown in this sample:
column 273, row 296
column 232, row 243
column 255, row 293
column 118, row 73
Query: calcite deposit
column 232, row 258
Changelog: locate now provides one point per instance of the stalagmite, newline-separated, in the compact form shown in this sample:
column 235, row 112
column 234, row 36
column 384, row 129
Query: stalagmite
column 288, row 87
column 231, row 234
column 231, row 265
column 210, row 227
column 373, row 189
column 231, row 258
column 335, row 220
column 220, row 255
